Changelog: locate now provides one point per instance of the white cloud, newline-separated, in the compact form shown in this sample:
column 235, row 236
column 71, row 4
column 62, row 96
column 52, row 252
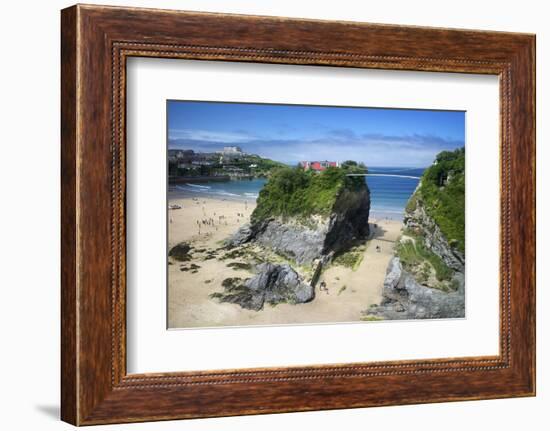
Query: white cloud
column 372, row 149
column 210, row 136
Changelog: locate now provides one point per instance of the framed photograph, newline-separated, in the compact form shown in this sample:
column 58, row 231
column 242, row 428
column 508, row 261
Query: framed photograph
column 263, row 214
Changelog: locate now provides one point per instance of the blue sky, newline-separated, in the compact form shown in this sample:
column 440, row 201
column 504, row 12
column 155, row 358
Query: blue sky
column 290, row 133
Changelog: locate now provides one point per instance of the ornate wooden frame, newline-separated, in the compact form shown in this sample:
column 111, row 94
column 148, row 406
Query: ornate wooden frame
column 95, row 42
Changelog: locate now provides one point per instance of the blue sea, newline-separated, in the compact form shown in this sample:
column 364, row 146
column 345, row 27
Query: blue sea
column 390, row 189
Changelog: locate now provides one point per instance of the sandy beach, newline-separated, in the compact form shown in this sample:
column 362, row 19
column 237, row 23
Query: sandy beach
column 349, row 290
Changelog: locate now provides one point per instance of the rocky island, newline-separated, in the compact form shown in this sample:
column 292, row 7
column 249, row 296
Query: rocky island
column 425, row 278
column 302, row 220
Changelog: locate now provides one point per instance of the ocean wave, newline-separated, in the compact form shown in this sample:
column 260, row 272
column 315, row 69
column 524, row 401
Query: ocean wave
column 386, row 210
column 198, row 186
column 224, row 193
column 205, row 190
column 190, row 188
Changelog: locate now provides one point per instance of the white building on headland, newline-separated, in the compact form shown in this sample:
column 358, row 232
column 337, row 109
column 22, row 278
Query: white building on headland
column 232, row 150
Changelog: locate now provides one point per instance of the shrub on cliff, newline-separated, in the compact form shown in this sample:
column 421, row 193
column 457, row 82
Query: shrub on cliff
column 295, row 192
column 442, row 193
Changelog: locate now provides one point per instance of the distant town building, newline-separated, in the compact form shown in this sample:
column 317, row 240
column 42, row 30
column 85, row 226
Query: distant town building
column 189, row 159
column 318, row 166
column 232, row 150
column 180, row 155
column 202, row 162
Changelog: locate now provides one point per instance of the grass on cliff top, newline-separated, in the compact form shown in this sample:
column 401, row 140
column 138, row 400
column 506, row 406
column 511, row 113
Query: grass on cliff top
column 442, row 193
column 414, row 254
column 294, row 192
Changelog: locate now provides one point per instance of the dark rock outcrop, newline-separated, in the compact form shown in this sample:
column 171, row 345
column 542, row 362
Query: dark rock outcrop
column 404, row 298
column 180, row 252
column 319, row 237
column 273, row 284
column 349, row 220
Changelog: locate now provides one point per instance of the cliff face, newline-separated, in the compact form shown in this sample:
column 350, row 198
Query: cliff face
column 425, row 279
column 314, row 231
column 417, row 220
column 349, row 219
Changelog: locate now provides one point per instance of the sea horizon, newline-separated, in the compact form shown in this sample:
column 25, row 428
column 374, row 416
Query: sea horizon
column 390, row 188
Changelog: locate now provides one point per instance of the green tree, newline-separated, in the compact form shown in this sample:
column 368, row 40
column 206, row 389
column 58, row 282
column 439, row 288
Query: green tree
column 442, row 192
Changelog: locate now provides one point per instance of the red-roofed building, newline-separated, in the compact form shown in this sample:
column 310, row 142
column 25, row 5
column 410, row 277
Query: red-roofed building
column 317, row 165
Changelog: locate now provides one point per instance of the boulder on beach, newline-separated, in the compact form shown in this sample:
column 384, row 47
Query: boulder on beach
column 404, row 298
column 273, row 284
column 180, row 252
